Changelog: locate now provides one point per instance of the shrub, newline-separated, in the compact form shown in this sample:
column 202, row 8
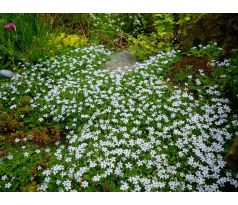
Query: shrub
column 62, row 42
column 107, row 28
column 168, row 31
column 143, row 46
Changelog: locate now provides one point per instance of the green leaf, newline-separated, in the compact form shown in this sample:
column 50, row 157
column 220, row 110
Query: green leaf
column 187, row 18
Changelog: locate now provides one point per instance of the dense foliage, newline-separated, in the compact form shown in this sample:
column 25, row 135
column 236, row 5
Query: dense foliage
column 123, row 131
column 69, row 124
column 168, row 31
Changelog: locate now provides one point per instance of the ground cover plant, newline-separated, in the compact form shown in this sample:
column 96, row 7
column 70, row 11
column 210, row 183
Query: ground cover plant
column 123, row 131
column 69, row 124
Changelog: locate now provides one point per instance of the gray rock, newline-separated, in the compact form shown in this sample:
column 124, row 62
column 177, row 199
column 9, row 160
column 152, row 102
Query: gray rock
column 122, row 60
column 6, row 74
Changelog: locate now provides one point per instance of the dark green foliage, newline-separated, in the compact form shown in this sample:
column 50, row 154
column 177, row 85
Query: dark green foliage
column 161, row 32
column 232, row 156
column 220, row 28
column 108, row 29
column 227, row 79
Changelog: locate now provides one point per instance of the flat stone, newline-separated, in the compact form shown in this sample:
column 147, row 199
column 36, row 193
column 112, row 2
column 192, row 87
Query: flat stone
column 122, row 60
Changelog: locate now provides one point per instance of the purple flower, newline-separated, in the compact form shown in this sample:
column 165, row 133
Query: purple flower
column 10, row 26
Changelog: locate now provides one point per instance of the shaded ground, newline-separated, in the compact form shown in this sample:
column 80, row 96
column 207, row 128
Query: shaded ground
column 196, row 63
column 190, row 65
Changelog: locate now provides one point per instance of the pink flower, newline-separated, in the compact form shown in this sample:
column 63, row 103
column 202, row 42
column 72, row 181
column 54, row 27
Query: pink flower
column 10, row 26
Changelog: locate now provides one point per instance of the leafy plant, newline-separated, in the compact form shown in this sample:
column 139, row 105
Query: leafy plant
column 27, row 41
column 211, row 50
column 12, row 120
column 168, row 31
column 226, row 76
column 143, row 46
column 164, row 25
column 61, row 43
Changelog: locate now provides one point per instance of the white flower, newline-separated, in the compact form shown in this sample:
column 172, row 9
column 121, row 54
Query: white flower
column 26, row 154
column 84, row 184
column 43, row 187
column 198, row 82
column 8, row 185
column 47, row 150
column 68, row 159
column 10, row 157
column 17, row 140
column 67, row 185
column 124, row 186
column 37, row 151
column 96, row 178
column 13, row 106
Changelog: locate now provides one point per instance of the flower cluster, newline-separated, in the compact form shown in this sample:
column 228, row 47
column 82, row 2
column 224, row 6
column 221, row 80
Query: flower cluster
column 10, row 26
column 62, row 41
column 126, row 131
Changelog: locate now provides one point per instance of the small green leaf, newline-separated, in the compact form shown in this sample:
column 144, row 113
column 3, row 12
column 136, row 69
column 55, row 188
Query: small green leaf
column 187, row 18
